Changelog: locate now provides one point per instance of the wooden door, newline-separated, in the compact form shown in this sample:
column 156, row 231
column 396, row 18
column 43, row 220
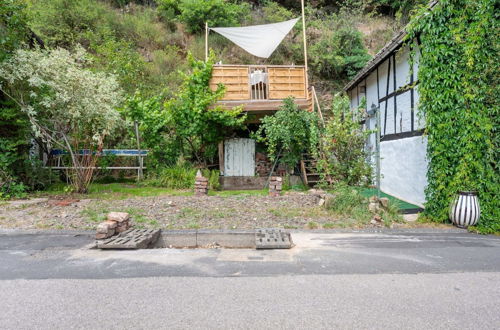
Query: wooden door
column 239, row 157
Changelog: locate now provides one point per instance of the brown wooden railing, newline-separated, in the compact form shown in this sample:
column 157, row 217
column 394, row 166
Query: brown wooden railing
column 260, row 82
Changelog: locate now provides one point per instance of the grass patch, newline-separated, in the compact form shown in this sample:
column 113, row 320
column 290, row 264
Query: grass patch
column 312, row 225
column 351, row 204
column 95, row 213
column 115, row 191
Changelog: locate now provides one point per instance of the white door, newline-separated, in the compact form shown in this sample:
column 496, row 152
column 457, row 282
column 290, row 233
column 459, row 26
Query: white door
column 239, row 157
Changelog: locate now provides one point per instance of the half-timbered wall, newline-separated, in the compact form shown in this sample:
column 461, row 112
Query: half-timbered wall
column 393, row 87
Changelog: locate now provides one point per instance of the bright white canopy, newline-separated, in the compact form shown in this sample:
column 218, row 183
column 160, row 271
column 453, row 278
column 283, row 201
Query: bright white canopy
column 259, row 40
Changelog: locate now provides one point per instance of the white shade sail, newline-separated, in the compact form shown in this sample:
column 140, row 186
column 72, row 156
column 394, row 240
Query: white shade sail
column 259, row 40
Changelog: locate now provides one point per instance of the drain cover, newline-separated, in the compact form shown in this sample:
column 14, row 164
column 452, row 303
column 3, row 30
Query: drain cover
column 131, row 239
column 272, row 239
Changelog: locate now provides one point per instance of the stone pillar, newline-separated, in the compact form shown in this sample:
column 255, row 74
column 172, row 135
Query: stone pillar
column 275, row 186
column 200, row 185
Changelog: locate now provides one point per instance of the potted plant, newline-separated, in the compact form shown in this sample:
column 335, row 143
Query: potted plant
column 465, row 209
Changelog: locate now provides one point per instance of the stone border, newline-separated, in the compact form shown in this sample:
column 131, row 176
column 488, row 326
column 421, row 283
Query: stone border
column 234, row 239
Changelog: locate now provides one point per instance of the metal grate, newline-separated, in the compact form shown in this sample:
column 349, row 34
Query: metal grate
column 131, row 239
column 272, row 239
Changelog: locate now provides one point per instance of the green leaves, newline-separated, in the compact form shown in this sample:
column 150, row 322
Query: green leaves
column 192, row 115
column 343, row 145
column 289, row 133
column 458, row 79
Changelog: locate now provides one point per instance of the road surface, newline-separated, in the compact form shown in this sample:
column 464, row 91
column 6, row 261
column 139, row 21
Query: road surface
column 422, row 279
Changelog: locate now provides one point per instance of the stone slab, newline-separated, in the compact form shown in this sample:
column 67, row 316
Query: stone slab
column 226, row 238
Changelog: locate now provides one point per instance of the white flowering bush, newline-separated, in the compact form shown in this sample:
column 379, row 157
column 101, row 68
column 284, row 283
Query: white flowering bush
column 68, row 106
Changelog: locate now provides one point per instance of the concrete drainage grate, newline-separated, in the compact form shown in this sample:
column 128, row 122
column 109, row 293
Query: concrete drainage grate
column 131, row 239
column 272, row 239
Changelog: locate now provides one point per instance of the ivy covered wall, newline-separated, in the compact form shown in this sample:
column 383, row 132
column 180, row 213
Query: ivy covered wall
column 458, row 86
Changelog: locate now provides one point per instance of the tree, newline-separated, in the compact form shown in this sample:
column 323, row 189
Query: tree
column 343, row 145
column 289, row 133
column 193, row 115
column 67, row 105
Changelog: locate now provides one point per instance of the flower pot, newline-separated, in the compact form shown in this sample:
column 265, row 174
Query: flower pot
column 465, row 210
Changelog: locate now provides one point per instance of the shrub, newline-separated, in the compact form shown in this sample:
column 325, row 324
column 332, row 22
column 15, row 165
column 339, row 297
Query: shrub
column 289, row 133
column 340, row 55
column 343, row 146
column 66, row 22
column 194, row 13
column 180, row 176
column 67, row 106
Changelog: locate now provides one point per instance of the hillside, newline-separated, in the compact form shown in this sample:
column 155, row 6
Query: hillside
column 146, row 42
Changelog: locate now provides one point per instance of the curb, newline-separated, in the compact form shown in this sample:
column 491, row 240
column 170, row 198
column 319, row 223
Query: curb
column 236, row 239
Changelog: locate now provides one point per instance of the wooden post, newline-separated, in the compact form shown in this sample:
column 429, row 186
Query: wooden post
column 138, row 138
column 305, row 46
column 206, row 41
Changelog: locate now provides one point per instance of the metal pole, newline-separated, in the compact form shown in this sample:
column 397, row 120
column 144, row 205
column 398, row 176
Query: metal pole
column 378, row 151
column 206, row 41
column 138, row 138
column 305, row 45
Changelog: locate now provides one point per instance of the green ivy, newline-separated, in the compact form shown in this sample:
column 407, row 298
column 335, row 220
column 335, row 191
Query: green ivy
column 458, row 87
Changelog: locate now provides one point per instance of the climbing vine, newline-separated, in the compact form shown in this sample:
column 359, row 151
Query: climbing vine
column 458, row 88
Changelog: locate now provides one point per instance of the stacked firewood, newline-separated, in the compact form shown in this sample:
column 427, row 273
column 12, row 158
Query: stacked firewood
column 262, row 164
column 115, row 223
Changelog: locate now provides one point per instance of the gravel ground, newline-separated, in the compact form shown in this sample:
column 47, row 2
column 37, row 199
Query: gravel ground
column 293, row 210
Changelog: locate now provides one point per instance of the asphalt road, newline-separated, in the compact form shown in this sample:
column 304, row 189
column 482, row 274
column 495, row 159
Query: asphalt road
column 388, row 280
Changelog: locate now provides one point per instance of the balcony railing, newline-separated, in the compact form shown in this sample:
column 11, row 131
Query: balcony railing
column 260, row 82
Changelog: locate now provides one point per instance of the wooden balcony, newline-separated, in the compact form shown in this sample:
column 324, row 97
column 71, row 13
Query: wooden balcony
column 261, row 88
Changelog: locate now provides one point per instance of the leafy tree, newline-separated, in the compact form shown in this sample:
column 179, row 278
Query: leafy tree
column 14, row 127
column 13, row 26
column 289, row 133
column 67, row 106
column 156, row 135
column 192, row 115
column 343, row 144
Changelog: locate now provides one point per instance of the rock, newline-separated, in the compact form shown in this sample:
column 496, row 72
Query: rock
column 384, row 201
column 410, row 217
column 101, row 236
column 373, row 222
column 373, row 207
column 103, row 228
column 321, row 201
column 118, row 216
column 377, row 218
column 111, row 224
column 317, row 192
